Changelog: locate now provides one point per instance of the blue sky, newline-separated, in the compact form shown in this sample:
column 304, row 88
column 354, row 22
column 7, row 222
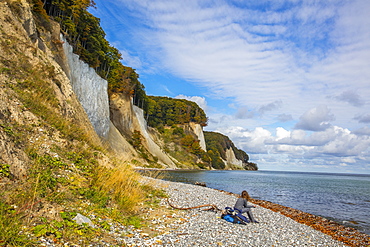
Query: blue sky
column 287, row 80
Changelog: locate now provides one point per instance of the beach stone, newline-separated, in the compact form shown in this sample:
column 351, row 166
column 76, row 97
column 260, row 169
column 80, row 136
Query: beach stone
column 80, row 219
column 206, row 228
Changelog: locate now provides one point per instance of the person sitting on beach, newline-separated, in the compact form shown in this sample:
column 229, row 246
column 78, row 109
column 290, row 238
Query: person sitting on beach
column 242, row 206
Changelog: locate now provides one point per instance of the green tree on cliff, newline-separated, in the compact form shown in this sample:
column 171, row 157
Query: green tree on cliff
column 84, row 33
column 170, row 111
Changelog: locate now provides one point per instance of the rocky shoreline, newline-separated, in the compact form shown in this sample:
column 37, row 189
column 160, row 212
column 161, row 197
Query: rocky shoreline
column 279, row 226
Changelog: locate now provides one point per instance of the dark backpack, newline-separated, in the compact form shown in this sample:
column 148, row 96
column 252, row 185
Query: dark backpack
column 234, row 216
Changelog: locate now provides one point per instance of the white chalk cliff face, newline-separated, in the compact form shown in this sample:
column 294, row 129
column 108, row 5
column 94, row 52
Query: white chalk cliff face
column 153, row 148
column 198, row 130
column 231, row 159
column 115, row 120
column 127, row 118
column 91, row 91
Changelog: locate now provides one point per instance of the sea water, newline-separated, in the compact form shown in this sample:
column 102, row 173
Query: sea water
column 344, row 198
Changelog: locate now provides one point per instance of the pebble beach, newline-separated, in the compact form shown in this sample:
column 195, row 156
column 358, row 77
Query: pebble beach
column 197, row 227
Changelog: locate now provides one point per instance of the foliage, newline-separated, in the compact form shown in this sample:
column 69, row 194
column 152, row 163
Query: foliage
column 7, row 129
column 121, row 184
column 136, row 140
column 175, row 145
column 84, row 33
column 4, row 170
column 220, row 143
column 59, row 157
column 66, row 228
column 250, row 166
column 38, row 9
column 169, row 111
column 217, row 144
column 11, row 227
column 134, row 221
column 191, row 144
column 216, row 161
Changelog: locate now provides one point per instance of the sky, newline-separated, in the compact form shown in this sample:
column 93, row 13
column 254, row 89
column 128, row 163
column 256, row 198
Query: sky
column 288, row 81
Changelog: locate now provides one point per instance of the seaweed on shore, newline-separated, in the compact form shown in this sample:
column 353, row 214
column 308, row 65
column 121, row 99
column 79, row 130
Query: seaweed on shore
column 347, row 235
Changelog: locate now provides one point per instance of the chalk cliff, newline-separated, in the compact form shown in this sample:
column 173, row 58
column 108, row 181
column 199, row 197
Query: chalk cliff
column 34, row 90
column 66, row 146
column 128, row 118
column 83, row 94
column 121, row 115
column 92, row 92
column 90, row 88
column 231, row 160
column 198, row 131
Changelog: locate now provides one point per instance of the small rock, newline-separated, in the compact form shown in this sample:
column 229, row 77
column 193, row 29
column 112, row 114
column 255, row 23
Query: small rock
column 80, row 219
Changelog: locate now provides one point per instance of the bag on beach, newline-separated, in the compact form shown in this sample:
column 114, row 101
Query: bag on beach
column 234, row 216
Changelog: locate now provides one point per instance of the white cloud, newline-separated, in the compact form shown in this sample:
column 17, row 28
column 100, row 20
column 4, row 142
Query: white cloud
column 284, row 117
column 316, row 119
column 362, row 131
column 332, row 146
column 166, row 89
column 348, row 160
column 282, row 133
column 131, row 61
column 363, row 118
column 350, row 97
column 301, row 72
column 253, row 141
column 244, row 113
column 258, row 57
column 201, row 101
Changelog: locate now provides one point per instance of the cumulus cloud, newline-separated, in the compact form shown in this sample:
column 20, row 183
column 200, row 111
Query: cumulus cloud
column 332, row 146
column 201, row 101
column 345, row 143
column 279, row 61
column 253, row 141
column 315, row 119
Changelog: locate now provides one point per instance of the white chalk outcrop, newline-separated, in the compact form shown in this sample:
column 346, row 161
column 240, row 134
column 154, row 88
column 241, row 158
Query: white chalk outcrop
column 231, row 159
column 153, row 147
column 91, row 90
column 198, row 130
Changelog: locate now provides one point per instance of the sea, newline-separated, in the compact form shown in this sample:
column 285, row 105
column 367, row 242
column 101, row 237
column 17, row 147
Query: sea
column 344, row 198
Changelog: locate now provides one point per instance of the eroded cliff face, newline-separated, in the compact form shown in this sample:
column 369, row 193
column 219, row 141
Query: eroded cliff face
column 128, row 118
column 141, row 125
column 26, row 59
column 82, row 95
column 231, row 160
column 122, row 113
column 91, row 90
column 198, row 131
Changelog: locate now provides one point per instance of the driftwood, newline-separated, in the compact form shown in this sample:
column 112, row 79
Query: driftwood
column 212, row 207
column 201, row 184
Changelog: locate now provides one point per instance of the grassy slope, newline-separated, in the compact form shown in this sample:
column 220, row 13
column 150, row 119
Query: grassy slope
column 52, row 165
